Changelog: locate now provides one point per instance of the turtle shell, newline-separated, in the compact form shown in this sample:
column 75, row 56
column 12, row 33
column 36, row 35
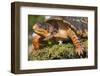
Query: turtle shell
column 78, row 24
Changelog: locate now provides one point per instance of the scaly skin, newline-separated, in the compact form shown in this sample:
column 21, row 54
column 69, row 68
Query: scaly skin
column 76, row 42
column 36, row 41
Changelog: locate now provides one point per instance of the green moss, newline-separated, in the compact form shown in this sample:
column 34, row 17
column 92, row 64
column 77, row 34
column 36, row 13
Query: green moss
column 63, row 51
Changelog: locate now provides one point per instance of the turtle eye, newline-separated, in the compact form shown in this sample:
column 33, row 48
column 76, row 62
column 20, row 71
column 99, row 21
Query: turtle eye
column 39, row 24
column 44, row 26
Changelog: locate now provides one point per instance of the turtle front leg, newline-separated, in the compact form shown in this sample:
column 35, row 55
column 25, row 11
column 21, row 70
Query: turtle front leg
column 76, row 42
column 36, row 41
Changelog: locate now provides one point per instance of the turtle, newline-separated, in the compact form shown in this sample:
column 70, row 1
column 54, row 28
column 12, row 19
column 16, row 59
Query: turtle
column 60, row 28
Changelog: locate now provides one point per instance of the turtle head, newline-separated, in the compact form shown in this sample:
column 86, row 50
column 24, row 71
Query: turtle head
column 41, row 29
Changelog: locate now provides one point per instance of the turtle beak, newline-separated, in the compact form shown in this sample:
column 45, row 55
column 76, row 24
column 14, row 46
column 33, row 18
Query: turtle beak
column 35, row 26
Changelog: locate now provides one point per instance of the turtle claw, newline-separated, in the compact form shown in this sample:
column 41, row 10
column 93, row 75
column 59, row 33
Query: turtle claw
column 79, row 51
